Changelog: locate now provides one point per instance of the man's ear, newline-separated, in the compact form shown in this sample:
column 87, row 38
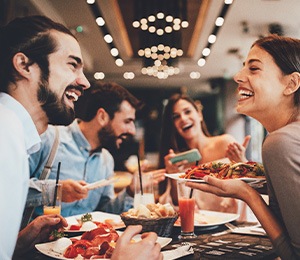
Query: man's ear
column 293, row 83
column 21, row 64
column 102, row 117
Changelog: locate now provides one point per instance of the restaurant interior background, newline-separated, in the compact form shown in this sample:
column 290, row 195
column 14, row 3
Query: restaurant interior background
column 143, row 46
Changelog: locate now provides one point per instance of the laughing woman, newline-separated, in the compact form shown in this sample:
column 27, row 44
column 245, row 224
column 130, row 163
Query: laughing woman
column 184, row 129
column 268, row 85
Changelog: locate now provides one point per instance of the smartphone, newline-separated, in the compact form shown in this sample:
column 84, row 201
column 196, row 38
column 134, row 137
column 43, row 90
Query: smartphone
column 191, row 156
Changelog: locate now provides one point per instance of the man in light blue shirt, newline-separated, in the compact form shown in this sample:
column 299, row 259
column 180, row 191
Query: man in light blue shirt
column 107, row 115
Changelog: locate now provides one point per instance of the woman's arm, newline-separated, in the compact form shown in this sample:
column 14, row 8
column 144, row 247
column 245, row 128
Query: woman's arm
column 240, row 190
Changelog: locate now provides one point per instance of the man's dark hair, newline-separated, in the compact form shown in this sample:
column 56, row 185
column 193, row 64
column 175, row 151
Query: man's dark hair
column 108, row 96
column 31, row 36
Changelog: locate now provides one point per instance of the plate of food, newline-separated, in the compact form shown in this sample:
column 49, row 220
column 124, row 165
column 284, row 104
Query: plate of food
column 90, row 244
column 180, row 177
column 207, row 218
column 89, row 221
column 246, row 171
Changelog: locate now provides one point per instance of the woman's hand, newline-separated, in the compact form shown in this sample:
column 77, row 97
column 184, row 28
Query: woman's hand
column 176, row 167
column 233, row 188
column 236, row 152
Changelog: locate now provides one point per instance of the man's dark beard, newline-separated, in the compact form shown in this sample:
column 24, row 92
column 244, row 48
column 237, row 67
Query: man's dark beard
column 107, row 138
column 57, row 111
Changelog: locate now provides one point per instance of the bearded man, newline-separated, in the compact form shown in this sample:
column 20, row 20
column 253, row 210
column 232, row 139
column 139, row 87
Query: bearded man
column 41, row 75
column 106, row 116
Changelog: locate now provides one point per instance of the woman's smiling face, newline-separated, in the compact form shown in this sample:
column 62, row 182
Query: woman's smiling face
column 260, row 84
column 186, row 119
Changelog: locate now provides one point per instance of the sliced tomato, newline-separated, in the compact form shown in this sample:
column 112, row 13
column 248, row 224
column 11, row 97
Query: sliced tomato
column 81, row 246
column 73, row 239
column 100, row 239
column 74, row 227
column 103, row 248
column 109, row 252
column 199, row 174
column 89, row 235
column 91, row 251
column 114, row 235
column 71, row 252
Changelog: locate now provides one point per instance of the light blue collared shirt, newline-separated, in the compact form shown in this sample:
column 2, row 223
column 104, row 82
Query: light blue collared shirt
column 78, row 163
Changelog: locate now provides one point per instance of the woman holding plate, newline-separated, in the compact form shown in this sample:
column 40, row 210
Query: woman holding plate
column 184, row 129
column 268, row 88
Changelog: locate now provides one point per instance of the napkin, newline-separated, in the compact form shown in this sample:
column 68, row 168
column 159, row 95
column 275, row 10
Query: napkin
column 101, row 183
column 178, row 252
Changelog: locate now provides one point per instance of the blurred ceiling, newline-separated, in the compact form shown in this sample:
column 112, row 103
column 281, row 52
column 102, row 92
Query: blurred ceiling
column 245, row 21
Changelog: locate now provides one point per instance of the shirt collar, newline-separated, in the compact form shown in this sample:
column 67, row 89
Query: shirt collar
column 80, row 139
column 31, row 135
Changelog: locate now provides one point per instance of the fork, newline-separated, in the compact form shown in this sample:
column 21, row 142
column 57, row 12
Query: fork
column 257, row 184
column 231, row 226
column 253, row 228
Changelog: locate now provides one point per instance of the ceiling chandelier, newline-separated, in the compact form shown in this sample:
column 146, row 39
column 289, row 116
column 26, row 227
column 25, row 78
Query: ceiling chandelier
column 160, row 23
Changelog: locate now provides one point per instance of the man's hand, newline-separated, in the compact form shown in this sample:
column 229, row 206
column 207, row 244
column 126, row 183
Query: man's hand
column 147, row 248
column 38, row 231
column 73, row 190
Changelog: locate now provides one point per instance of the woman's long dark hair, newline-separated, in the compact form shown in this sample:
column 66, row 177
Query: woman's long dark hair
column 170, row 139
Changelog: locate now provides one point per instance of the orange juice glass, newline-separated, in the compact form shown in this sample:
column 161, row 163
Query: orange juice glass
column 51, row 199
column 186, row 210
column 48, row 210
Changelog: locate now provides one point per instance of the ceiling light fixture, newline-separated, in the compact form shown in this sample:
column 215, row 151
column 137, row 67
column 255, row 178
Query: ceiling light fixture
column 99, row 75
column 105, row 31
column 213, row 36
column 160, row 25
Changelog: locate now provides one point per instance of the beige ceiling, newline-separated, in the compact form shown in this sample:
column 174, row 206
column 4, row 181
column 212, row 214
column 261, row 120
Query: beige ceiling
column 245, row 21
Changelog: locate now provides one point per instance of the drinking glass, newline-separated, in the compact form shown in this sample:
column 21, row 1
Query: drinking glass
column 51, row 199
column 186, row 210
column 148, row 194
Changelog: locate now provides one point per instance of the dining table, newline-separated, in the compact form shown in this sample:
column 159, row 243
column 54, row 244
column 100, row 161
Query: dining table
column 218, row 242
column 214, row 242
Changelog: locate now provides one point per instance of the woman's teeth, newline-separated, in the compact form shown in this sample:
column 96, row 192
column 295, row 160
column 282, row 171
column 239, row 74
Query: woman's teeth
column 186, row 127
column 245, row 94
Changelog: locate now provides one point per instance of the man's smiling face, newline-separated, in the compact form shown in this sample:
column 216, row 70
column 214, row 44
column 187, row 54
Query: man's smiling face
column 119, row 128
column 66, row 80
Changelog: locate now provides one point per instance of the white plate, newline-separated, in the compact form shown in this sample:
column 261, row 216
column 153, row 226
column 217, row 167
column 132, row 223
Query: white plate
column 207, row 218
column 98, row 216
column 46, row 248
column 176, row 176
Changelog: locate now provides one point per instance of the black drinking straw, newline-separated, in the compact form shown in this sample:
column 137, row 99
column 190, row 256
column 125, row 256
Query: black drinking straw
column 140, row 173
column 191, row 192
column 56, row 183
